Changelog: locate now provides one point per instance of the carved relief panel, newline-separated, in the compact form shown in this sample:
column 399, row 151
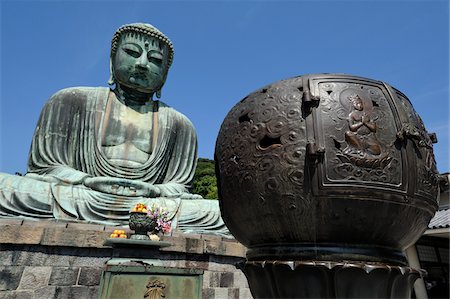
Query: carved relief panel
column 356, row 123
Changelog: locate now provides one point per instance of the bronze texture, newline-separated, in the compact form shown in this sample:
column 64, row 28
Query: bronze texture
column 331, row 167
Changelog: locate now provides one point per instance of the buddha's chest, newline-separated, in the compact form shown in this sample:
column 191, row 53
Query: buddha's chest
column 126, row 134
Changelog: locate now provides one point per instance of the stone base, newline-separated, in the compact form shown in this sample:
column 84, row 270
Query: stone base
column 55, row 259
column 322, row 279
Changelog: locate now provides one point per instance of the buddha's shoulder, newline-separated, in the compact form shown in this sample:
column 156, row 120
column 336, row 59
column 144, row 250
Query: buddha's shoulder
column 80, row 93
column 174, row 114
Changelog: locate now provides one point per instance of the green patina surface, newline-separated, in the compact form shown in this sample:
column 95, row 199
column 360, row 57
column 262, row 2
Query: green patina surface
column 98, row 151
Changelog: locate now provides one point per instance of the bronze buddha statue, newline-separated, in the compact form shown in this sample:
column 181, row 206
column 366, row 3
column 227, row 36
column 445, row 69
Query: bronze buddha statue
column 98, row 151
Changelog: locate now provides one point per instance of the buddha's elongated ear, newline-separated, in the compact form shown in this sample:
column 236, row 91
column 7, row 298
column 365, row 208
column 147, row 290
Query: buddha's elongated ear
column 111, row 80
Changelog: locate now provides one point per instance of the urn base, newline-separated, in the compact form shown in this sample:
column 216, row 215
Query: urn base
column 326, row 279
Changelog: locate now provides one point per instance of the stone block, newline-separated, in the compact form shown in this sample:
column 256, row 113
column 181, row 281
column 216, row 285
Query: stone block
column 73, row 292
column 184, row 235
column 226, row 280
column 211, row 238
column 93, row 292
column 10, row 221
column 24, row 234
column 6, row 256
column 214, row 280
column 233, row 293
column 45, row 292
column 208, row 293
column 63, row 259
column 223, row 263
column 235, row 249
column 28, row 257
column 194, row 245
column 17, row 295
column 214, row 246
column 35, row 277
column 240, row 281
column 94, row 238
column 45, row 223
column 85, row 226
column 90, row 261
column 10, row 277
column 206, row 279
column 221, row 293
column 177, row 244
column 245, row 294
column 62, row 237
column 64, row 276
column 197, row 262
column 90, row 276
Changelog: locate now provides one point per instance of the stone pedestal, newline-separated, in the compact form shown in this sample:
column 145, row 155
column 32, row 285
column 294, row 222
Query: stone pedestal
column 56, row 259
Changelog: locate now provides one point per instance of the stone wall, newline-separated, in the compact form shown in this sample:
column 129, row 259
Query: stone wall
column 55, row 259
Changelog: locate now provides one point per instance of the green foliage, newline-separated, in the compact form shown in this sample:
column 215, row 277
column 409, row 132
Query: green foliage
column 205, row 182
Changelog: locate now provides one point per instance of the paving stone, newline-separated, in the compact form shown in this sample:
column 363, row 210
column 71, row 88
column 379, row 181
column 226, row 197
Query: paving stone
column 90, row 276
column 64, row 276
column 35, row 277
column 10, row 277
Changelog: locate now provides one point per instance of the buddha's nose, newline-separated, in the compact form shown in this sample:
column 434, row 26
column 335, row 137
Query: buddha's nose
column 142, row 63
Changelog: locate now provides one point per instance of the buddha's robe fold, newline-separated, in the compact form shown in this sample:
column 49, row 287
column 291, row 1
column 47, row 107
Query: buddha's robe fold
column 66, row 148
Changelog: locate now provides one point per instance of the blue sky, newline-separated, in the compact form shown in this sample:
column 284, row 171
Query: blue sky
column 223, row 51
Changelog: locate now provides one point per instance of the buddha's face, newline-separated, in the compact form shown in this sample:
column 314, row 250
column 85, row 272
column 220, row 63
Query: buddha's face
column 357, row 103
column 140, row 62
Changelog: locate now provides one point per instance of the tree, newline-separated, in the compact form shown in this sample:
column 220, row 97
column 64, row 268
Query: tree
column 205, row 182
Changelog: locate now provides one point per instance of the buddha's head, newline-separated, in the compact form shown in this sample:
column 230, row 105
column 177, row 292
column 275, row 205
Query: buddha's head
column 140, row 58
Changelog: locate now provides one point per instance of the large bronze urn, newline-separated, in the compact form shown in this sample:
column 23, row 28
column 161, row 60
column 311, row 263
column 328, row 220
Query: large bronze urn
column 326, row 167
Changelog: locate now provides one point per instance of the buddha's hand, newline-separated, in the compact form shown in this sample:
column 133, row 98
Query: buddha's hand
column 123, row 187
column 190, row 196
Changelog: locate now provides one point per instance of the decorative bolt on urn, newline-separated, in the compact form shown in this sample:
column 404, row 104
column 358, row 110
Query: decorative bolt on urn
column 326, row 168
